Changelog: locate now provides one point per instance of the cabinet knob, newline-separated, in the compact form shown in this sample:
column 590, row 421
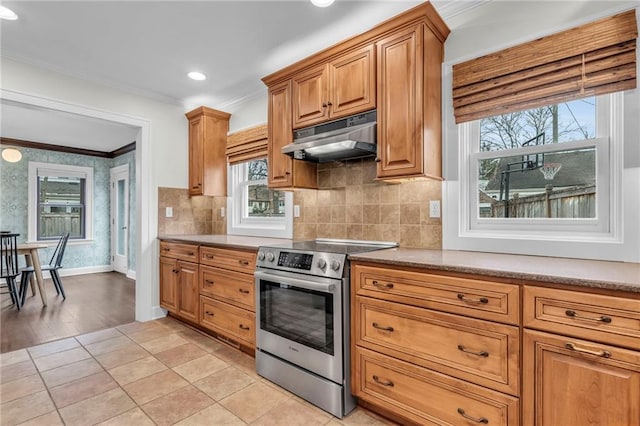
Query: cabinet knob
column 324, row 105
column 377, row 160
column 329, row 103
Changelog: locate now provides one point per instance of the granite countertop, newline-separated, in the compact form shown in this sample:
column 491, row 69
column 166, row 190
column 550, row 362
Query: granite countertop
column 231, row 241
column 619, row 276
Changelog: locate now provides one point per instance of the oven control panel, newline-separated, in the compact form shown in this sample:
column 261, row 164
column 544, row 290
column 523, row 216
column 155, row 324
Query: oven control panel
column 315, row 263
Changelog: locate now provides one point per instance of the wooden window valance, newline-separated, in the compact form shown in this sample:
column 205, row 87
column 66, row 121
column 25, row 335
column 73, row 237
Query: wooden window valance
column 592, row 59
column 248, row 144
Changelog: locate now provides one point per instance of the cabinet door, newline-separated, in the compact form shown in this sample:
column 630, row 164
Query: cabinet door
column 400, row 107
column 310, row 97
column 188, row 289
column 280, row 134
column 352, row 83
column 569, row 381
column 196, row 158
column 168, row 284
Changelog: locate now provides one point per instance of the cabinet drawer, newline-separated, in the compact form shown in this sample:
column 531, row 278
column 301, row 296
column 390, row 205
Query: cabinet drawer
column 236, row 260
column 608, row 319
column 232, row 287
column 228, row 320
column 188, row 252
column 473, row 297
column 481, row 352
column 427, row 397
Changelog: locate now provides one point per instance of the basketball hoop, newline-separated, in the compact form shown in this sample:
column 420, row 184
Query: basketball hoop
column 549, row 170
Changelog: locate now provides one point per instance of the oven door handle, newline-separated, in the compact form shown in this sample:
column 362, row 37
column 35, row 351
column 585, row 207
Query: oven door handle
column 309, row 283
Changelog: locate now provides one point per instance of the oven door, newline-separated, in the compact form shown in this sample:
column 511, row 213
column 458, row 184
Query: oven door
column 299, row 319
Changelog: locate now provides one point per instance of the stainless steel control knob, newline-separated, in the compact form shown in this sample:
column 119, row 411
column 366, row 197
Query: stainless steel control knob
column 322, row 263
column 335, row 265
column 270, row 256
column 260, row 255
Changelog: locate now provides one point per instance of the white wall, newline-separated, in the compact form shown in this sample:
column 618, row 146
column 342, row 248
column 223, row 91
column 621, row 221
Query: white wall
column 252, row 112
column 166, row 151
column 500, row 24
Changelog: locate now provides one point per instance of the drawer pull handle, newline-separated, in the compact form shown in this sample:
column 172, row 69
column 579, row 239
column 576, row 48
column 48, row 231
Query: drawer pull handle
column 209, row 282
column 380, row 285
column 602, row 318
column 208, row 256
column 383, row 382
column 244, row 327
column 473, row 419
column 209, row 313
column 166, row 249
column 472, row 300
column 243, row 262
column 467, row 351
column 243, row 291
column 573, row 347
column 190, row 253
column 175, row 271
column 381, row 327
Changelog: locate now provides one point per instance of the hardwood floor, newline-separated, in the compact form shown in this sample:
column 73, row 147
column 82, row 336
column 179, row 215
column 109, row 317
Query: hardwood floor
column 94, row 302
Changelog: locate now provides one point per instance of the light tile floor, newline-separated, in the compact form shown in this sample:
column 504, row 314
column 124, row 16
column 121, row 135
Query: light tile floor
column 159, row 372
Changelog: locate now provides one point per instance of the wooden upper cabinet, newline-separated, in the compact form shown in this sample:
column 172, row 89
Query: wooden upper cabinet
column 353, row 83
column 342, row 87
column 409, row 103
column 283, row 171
column 207, row 159
column 310, row 93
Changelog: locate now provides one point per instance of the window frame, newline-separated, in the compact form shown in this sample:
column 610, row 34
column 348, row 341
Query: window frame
column 37, row 169
column 606, row 225
column 238, row 220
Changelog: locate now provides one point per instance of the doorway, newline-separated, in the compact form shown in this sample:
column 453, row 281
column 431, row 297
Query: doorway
column 119, row 188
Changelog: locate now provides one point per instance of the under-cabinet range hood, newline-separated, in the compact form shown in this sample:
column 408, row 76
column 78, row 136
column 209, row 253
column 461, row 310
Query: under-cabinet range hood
column 347, row 138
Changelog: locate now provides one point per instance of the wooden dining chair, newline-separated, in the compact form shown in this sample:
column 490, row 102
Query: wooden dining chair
column 10, row 269
column 56, row 263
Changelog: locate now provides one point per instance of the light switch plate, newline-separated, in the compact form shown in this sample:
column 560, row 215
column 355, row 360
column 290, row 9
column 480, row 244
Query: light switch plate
column 223, row 211
column 434, row 208
column 296, row 211
column 168, row 212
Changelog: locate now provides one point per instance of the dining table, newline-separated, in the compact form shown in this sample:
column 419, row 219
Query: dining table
column 30, row 252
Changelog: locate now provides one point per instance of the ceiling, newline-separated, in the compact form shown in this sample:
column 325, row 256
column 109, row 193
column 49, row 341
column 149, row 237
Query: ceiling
column 147, row 48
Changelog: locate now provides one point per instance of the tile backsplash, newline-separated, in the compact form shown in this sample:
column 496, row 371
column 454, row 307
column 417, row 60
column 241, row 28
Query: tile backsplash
column 191, row 215
column 350, row 203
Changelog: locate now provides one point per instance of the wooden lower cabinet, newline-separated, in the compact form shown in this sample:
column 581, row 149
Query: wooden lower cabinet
column 423, row 396
column 179, row 285
column 569, row 381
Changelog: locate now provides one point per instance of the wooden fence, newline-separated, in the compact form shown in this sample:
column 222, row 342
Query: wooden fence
column 576, row 202
column 54, row 225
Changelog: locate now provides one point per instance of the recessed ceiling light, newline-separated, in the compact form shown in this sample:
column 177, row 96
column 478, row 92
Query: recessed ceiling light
column 8, row 14
column 322, row 3
column 195, row 75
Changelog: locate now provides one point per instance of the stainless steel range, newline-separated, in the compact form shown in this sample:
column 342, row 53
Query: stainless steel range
column 302, row 302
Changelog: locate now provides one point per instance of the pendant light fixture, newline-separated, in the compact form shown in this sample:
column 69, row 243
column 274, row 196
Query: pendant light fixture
column 322, row 3
column 11, row 155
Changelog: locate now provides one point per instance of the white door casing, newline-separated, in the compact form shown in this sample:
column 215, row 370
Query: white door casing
column 119, row 188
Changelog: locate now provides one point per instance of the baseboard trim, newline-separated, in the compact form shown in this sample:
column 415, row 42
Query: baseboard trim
column 158, row 312
column 67, row 272
column 131, row 274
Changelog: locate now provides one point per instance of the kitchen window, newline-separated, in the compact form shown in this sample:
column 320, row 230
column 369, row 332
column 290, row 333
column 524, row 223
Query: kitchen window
column 60, row 201
column 544, row 173
column 254, row 209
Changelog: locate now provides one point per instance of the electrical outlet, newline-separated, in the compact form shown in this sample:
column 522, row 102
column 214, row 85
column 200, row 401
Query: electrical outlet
column 434, row 208
column 168, row 212
column 222, row 211
column 296, row 211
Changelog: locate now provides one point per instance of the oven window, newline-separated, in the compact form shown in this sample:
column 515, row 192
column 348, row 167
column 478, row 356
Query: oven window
column 301, row 315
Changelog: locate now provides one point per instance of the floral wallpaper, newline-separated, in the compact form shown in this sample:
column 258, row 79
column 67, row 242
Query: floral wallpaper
column 14, row 204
